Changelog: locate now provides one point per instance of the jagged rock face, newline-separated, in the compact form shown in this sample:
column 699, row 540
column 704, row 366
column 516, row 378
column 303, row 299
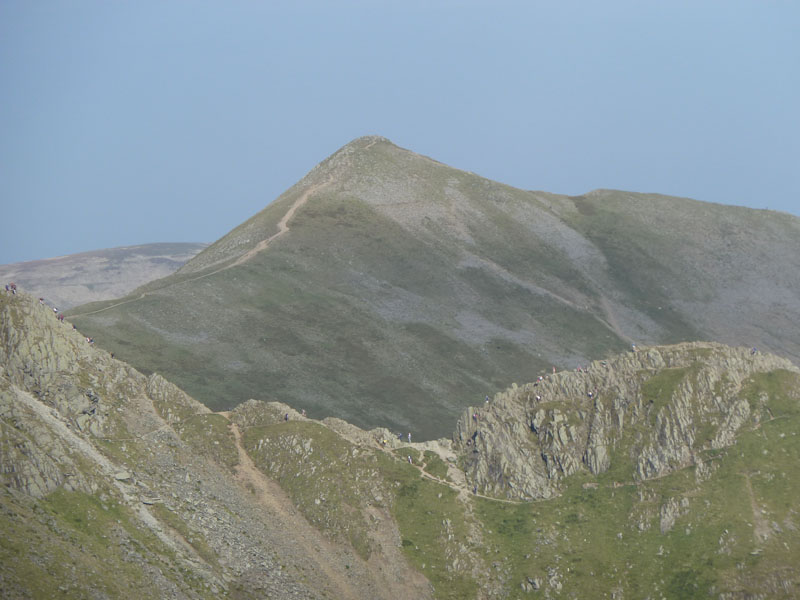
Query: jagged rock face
column 648, row 412
column 49, row 362
column 32, row 460
column 39, row 354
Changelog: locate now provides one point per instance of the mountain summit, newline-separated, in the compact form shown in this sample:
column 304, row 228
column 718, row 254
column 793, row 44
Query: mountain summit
column 387, row 288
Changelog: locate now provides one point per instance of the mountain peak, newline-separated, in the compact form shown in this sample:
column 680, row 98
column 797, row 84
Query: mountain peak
column 366, row 141
column 434, row 286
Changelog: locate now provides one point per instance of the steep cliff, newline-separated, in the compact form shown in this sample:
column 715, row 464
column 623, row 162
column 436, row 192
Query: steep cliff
column 637, row 416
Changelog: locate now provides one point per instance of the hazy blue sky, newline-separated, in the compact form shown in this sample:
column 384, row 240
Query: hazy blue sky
column 133, row 122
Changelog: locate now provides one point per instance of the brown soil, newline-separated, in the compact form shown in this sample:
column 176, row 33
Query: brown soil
column 385, row 575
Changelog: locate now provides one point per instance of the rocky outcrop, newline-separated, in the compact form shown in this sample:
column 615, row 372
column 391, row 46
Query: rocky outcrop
column 32, row 459
column 98, row 459
column 647, row 412
column 171, row 402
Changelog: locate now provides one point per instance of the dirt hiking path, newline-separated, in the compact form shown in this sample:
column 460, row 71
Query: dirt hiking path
column 313, row 545
column 385, row 575
column 283, row 228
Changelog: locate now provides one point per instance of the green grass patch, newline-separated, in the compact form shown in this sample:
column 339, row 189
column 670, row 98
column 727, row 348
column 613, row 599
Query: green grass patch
column 334, row 482
column 780, row 386
column 433, row 527
column 434, row 465
column 56, row 547
column 210, row 434
column 404, row 452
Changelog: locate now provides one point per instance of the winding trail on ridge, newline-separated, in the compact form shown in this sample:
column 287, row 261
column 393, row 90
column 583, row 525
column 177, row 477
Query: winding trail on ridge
column 313, row 545
column 283, row 228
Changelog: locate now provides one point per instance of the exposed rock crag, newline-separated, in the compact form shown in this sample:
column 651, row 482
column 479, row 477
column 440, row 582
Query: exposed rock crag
column 647, row 412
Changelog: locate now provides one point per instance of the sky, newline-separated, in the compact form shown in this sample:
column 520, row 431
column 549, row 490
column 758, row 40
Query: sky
column 127, row 123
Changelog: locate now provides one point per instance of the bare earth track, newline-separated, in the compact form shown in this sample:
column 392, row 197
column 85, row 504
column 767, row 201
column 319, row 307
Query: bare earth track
column 314, row 546
column 283, row 228
column 385, row 575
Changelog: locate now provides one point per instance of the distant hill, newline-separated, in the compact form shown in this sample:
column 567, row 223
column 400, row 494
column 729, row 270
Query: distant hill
column 66, row 281
column 389, row 289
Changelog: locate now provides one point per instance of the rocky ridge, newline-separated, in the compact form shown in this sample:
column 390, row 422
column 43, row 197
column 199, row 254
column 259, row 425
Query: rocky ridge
column 676, row 477
column 645, row 414
column 82, row 431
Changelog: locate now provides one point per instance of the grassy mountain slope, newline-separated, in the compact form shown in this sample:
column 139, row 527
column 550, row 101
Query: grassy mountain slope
column 405, row 289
